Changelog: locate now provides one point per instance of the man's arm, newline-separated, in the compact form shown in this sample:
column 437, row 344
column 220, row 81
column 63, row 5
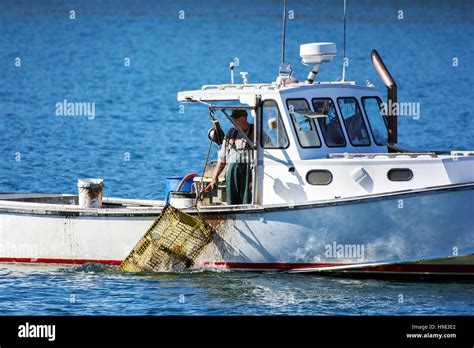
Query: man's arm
column 215, row 177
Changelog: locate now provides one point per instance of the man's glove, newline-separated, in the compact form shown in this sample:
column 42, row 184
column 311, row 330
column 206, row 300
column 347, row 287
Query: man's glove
column 213, row 185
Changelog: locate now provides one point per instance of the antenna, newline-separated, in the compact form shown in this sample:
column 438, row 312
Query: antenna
column 283, row 34
column 286, row 70
column 231, row 67
column 344, row 58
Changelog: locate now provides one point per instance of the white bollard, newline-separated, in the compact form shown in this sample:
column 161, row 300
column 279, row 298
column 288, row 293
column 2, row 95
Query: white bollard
column 90, row 192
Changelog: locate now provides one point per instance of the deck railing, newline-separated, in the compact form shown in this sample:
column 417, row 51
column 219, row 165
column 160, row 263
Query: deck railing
column 384, row 155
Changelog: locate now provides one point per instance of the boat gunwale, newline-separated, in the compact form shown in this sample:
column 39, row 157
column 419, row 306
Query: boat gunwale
column 42, row 209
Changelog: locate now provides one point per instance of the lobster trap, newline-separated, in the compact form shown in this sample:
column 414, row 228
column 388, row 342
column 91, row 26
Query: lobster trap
column 172, row 243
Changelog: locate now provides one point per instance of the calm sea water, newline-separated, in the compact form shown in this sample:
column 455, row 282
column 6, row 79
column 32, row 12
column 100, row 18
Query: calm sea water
column 138, row 136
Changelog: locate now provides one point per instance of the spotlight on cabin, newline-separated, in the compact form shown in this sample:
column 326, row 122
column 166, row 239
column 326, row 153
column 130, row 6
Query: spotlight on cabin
column 285, row 73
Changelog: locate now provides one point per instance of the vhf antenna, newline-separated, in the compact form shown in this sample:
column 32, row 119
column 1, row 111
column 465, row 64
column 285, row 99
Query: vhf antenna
column 285, row 71
column 283, row 34
column 344, row 59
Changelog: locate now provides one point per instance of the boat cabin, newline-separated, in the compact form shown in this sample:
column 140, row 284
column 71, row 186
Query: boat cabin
column 317, row 140
column 302, row 123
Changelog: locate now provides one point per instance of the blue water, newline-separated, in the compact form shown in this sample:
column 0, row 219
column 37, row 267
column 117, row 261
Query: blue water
column 137, row 118
column 99, row 290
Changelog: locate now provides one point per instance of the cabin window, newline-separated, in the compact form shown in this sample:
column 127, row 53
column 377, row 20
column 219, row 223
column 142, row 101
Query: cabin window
column 304, row 126
column 330, row 126
column 377, row 119
column 273, row 134
column 400, row 174
column 319, row 177
column 353, row 121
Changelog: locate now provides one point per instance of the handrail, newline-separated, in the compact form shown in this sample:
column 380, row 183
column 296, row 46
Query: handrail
column 237, row 86
column 463, row 153
column 374, row 155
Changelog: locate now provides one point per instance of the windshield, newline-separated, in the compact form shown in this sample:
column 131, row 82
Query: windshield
column 304, row 126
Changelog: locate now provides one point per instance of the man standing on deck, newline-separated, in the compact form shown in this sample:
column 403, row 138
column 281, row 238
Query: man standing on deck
column 236, row 154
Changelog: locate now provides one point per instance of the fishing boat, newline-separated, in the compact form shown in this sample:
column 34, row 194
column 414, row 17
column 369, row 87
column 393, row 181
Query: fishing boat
column 329, row 188
column 332, row 191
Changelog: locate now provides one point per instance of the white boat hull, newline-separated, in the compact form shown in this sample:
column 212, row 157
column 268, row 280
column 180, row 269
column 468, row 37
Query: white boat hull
column 419, row 231
column 370, row 234
column 69, row 239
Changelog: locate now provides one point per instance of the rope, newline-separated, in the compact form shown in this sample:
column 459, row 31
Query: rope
column 202, row 176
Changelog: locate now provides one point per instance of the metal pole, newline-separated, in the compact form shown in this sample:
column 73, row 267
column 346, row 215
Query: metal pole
column 252, row 144
column 283, row 34
column 256, row 136
column 391, row 96
column 344, row 59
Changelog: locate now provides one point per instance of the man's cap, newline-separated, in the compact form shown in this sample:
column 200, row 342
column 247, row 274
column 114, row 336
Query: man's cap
column 238, row 113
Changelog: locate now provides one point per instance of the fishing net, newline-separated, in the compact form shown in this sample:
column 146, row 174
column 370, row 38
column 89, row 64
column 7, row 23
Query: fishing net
column 172, row 243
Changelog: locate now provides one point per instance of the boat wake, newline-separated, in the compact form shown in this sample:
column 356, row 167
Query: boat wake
column 91, row 268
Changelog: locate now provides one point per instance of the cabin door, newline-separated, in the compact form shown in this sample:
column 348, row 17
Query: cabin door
column 273, row 160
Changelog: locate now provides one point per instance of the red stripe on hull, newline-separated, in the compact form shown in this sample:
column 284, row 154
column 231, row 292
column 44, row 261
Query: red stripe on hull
column 420, row 268
column 396, row 268
column 62, row 261
column 268, row 266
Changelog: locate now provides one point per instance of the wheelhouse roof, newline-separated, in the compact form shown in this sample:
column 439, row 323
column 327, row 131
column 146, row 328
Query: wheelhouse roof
column 246, row 93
